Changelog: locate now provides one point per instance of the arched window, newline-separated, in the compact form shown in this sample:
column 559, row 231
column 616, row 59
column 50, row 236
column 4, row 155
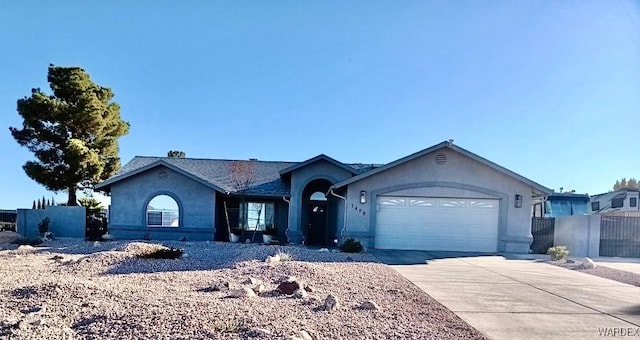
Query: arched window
column 163, row 211
column 318, row 196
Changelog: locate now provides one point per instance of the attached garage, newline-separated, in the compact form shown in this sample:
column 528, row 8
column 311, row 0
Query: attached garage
column 437, row 223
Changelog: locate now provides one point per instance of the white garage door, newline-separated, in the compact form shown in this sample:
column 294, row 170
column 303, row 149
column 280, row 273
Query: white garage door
column 431, row 223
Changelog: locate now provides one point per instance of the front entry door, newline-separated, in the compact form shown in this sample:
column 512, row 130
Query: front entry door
column 317, row 224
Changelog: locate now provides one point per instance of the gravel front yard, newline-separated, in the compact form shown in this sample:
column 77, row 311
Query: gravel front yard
column 72, row 289
column 601, row 271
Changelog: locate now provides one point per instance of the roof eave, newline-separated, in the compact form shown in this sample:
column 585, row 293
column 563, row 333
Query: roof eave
column 157, row 163
column 317, row 158
column 534, row 186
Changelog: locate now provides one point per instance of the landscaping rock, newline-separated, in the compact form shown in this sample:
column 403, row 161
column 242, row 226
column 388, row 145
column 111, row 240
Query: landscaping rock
column 242, row 293
column 302, row 335
column 107, row 237
column 290, row 286
column 252, row 281
column 10, row 237
column 48, row 236
column 273, row 259
column 323, row 250
column 260, row 332
column 369, row 305
column 331, row 303
column 588, row 263
column 300, row 294
column 260, row 288
column 309, row 289
column 220, row 286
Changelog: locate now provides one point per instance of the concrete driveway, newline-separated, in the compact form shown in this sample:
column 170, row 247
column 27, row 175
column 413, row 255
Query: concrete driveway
column 522, row 299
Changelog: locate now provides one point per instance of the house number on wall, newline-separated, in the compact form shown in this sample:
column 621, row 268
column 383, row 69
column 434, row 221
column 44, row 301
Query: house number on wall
column 358, row 209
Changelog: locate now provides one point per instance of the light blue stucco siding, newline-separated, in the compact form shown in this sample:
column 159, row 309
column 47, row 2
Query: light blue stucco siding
column 129, row 197
column 459, row 176
column 299, row 180
column 64, row 221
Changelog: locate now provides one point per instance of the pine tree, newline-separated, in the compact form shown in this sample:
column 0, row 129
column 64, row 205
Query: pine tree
column 34, row 205
column 72, row 133
column 176, row 154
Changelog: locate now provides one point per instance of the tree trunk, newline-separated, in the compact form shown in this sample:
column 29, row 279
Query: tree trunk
column 73, row 200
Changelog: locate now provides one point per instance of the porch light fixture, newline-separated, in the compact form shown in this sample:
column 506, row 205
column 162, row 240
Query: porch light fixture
column 518, row 201
column 363, row 197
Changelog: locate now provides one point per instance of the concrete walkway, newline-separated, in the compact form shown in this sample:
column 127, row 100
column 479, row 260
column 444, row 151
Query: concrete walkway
column 522, row 299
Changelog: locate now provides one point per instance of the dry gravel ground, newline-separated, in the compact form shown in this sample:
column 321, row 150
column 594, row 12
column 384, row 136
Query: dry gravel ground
column 605, row 272
column 71, row 289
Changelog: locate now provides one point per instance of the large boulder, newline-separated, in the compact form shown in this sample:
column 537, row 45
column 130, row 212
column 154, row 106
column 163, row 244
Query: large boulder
column 10, row 237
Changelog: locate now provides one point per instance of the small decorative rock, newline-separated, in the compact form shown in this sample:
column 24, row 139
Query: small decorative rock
column 48, row 236
column 252, row 281
column 242, row 292
column 302, row 335
column 369, row 305
column 260, row 332
column 331, row 303
column 300, row 294
column 107, row 237
column 273, row 259
column 220, row 286
column 588, row 263
column 323, row 250
column 260, row 288
column 309, row 289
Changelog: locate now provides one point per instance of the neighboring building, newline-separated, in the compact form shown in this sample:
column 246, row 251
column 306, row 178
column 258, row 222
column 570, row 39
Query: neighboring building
column 621, row 200
column 561, row 204
column 441, row 198
column 8, row 220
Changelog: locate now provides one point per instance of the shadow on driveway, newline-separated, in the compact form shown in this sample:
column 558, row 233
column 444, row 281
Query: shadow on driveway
column 406, row 257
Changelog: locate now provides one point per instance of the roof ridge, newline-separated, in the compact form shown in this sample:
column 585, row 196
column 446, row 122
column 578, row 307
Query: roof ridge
column 213, row 159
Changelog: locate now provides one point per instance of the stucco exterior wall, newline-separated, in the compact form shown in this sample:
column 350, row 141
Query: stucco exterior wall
column 460, row 176
column 129, row 197
column 63, row 221
column 299, row 180
column 579, row 233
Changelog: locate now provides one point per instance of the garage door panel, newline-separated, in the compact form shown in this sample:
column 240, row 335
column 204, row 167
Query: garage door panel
column 456, row 224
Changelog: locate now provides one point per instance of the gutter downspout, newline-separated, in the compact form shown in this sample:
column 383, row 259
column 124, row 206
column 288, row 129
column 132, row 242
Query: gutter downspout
column 344, row 225
column 286, row 231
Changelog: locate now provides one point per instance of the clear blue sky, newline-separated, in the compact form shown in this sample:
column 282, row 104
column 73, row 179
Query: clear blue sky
column 548, row 89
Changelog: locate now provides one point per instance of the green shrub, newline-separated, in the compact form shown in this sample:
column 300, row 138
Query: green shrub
column 230, row 326
column 558, row 253
column 351, row 245
column 162, row 253
column 43, row 226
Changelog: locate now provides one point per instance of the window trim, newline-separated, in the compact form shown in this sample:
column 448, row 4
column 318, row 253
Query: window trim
column 633, row 202
column 595, row 204
column 244, row 216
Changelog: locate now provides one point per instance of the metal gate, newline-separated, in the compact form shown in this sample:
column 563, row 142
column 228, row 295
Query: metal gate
column 542, row 229
column 620, row 236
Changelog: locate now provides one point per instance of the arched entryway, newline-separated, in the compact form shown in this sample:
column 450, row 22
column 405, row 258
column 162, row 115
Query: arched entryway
column 317, row 213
